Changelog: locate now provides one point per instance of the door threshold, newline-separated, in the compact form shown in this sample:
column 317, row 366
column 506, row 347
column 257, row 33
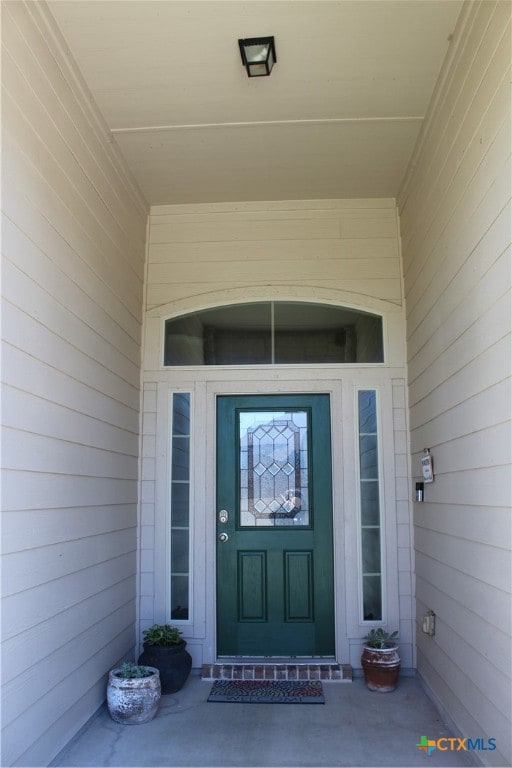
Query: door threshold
column 272, row 669
column 276, row 660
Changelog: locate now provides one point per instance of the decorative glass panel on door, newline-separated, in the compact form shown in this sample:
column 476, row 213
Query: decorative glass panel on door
column 274, row 468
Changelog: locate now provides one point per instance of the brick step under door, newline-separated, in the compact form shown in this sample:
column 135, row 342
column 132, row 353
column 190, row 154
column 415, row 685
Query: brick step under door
column 341, row 673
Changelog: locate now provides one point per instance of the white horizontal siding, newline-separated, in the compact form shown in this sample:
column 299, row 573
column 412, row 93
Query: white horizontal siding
column 24, row 332
column 68, row 624
column 37, row 567
column 37, row 303
column 24, row 611
column 50, row 711
column 34, row 684
column 490, row 368
column 64, row 457
column 453, row 356
column 57, row 252
column 479, row 597
column 294, row 225
column 56, row 526
column 73, row 237
column 483, row 688
column 24, row 372
column 488, row 281
column 484, row 409
column 198, row 250
column 25, row 411
column 455, row 224
column 307, row 271
column 290, row 250
column 43, row 194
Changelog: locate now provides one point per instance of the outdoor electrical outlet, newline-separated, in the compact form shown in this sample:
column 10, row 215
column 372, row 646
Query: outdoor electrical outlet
column 429, row 624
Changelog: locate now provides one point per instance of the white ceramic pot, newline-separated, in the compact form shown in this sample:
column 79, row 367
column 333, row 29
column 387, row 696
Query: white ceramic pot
column 133, row 701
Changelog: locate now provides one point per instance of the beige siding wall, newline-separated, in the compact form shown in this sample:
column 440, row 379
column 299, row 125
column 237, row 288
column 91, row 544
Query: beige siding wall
column 455, row 220
column 201, row 249
column 73, row 237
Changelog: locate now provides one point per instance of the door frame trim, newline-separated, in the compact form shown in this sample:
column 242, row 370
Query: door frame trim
column 341, row 383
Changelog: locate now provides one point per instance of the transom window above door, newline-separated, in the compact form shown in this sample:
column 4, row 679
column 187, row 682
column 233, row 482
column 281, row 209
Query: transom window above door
column 268, row 333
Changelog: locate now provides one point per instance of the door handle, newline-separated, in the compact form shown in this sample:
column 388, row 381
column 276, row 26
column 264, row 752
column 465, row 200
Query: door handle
column 223, row 537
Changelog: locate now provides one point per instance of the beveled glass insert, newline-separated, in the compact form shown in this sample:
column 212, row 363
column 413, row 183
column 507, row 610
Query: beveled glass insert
column 274, row 462
column 274, row 333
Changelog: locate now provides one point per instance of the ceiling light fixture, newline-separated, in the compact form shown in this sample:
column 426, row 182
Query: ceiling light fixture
column 258, row 55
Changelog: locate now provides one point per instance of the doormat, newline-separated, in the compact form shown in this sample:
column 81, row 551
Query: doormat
column 267, row 692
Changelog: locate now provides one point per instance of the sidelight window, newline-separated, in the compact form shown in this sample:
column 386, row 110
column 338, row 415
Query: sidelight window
column 180, row 505
column 369, row 488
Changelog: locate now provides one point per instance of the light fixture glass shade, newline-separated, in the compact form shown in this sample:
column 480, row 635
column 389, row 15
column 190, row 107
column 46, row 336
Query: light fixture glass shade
column 258, row 55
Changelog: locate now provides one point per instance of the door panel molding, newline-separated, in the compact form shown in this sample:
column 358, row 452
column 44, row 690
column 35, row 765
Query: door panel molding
column 298, row 586
column 252, row 585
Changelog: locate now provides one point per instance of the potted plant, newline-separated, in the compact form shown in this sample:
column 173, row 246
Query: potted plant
column 165, row 649
column 133, row 693
column 380, row 660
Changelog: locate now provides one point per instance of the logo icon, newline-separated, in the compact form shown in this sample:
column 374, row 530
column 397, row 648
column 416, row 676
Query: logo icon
column 426, row 745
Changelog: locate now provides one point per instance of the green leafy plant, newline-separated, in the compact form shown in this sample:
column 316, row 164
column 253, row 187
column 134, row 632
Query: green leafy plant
column 163, row 635
column 131, row 671
column 379, row 638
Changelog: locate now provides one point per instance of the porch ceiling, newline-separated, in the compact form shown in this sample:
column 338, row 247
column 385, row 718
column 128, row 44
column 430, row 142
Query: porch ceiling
column 338, row 117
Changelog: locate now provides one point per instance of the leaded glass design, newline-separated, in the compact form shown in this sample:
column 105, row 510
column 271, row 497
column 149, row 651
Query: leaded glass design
column 180, row 505
column 274, row 482
column 370, row 505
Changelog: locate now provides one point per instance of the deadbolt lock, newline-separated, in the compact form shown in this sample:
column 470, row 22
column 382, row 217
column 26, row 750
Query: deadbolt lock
column 223, row 516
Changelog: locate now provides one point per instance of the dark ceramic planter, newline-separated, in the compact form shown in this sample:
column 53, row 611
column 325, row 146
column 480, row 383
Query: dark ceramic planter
column 381, row 667
column 174, row 664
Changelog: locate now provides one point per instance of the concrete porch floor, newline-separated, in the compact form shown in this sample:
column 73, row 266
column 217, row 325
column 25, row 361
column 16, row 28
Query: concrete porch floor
column 355, row 727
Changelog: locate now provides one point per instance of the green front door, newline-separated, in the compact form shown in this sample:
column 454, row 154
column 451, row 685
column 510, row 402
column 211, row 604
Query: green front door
column 274, row 526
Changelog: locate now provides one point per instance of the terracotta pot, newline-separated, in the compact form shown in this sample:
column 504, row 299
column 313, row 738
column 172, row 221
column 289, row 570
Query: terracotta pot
column 133, row 701
column 173, row 662
column 381, row 667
